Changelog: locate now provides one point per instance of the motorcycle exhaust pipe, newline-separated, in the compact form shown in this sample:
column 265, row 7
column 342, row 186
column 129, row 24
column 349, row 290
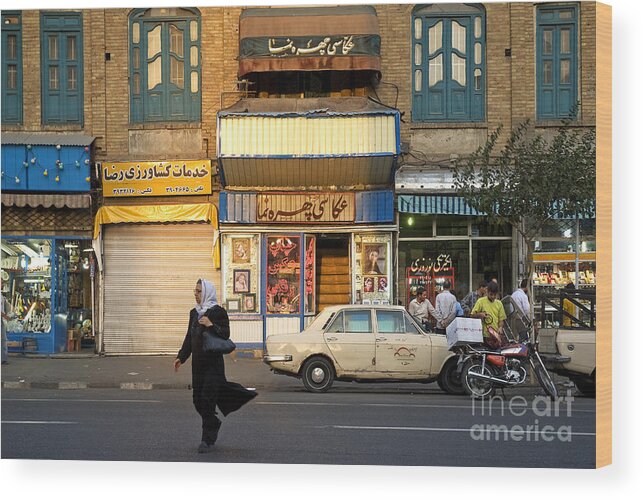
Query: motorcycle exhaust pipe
column 489, row 378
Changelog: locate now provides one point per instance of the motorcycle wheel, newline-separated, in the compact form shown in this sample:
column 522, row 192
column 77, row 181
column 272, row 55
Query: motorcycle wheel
column 543, row 376
column 475, row 387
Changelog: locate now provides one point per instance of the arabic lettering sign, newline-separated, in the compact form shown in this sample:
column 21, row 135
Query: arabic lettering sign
column 311, row 46
column 162, row 178
column 309, row 207
column 424, row 265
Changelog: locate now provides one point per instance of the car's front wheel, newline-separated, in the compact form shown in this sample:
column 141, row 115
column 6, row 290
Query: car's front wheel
column 450, row 379
column 318, row 374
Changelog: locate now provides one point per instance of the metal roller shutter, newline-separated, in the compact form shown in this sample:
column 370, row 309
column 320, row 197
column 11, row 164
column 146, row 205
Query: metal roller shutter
column 150, row 272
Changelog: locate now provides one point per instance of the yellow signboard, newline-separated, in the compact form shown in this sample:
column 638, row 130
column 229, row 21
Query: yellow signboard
column 156, row 178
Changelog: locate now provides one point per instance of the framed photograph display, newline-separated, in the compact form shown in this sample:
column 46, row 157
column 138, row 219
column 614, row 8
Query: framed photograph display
column 249, row 303
column 241, row 281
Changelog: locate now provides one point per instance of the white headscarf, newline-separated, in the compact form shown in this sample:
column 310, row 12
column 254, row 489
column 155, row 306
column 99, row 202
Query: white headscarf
column 208, row 297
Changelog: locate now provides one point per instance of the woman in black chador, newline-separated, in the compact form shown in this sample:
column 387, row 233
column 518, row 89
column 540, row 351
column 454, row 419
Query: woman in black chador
column 209, row 385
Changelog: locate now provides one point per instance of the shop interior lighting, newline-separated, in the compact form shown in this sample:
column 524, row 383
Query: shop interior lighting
column 27, row 250
column 71, row 245
column 34, row 280
column 8, row 250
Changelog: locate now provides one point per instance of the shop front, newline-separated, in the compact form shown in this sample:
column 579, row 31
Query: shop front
column 441, row 239
column 156, row 235
column 287, row 256
column 47, row 260
column 564, row 256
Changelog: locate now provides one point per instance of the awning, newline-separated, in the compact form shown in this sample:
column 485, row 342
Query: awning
column 342, row 38
column 46, row 200
column 320, row 142
column 46, row 138
column 197, row 212
column 434, row 204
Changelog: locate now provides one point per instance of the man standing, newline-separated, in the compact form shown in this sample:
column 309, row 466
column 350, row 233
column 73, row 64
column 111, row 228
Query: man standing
column 445, row 306
column 420, row 308
column 472, row 297
column 493, row 316
column 521, row 298
column 5, row 317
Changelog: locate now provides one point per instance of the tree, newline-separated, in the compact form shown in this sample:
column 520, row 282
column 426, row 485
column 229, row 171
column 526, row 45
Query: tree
column 530, row 180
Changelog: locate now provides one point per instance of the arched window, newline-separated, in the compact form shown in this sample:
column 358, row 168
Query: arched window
column 165, row 65
column 448, row 60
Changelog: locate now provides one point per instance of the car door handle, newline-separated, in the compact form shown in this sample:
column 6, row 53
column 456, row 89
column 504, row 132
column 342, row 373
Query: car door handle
column 331, row 338
column 380, row 339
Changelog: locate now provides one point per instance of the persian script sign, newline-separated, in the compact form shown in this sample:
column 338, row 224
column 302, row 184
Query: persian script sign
column 442, row 262
column 163, row 178
column 310, row 207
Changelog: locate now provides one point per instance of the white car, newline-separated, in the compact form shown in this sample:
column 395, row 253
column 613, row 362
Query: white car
column 363, row 343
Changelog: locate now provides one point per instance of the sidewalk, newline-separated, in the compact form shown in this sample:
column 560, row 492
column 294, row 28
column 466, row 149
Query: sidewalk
column 125, row 372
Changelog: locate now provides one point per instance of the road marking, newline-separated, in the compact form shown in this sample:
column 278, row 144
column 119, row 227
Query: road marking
column 435, row 429
column 36, row 422
column 392, row 405
column 296, row 403
column 85, row 400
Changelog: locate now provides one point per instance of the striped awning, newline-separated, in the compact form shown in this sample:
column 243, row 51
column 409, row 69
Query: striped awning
column 342, row 38
column 434, row 204
column 46, row 200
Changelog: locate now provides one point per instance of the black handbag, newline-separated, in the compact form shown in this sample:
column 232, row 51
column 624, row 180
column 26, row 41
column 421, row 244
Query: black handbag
column 214, row 344
column 213, row 340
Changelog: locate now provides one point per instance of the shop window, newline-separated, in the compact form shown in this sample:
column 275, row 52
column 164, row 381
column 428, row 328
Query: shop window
column 452, row 225
column 492, row 260
column 165, row 65
column 556, row 61
column 448, row 58
column 62, row 67
column 428, row 264
column 373, row 268
column 43, row 279
column 416, row 225
column 482, row 226
column 241, row 273
column 11, row 68
column 283, row 275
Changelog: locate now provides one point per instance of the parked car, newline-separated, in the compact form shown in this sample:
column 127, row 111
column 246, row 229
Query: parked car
column 363, row 343
column 574, row 356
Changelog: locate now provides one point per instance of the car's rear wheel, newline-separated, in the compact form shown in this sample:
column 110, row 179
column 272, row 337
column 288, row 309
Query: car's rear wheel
column 586, row 386
column 318, row 374
column 450, row 381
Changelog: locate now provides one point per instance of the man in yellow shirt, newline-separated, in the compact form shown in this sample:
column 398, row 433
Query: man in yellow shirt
column 493, row 316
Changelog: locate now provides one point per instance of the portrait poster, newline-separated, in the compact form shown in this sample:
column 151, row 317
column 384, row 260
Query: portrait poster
column 374, row 259
column 240, row 250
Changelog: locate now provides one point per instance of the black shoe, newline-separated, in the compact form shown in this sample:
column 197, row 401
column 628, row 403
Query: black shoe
column 205, row 447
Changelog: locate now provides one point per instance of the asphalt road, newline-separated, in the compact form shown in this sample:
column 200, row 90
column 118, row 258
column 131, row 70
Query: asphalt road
column 352, row 424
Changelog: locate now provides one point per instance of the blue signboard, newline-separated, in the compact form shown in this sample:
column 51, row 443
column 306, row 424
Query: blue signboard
column 51, row 168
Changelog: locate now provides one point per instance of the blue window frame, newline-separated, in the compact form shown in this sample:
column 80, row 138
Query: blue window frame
column 556, row 61
column 165, row 65
column 11, row 68
column 448, row 60
column 61, row 47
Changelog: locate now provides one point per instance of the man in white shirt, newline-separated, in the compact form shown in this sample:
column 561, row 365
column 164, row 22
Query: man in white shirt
column 420, row 308
column 521, row 298
column 445, row 306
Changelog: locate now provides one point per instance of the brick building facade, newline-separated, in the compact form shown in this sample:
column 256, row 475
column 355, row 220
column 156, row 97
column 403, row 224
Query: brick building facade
column 509, row 96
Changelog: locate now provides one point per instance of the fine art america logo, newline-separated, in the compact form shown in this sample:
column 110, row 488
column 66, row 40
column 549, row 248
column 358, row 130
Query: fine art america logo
column 517, row 406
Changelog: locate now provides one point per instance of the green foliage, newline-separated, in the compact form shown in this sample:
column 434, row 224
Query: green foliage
column 530, row 179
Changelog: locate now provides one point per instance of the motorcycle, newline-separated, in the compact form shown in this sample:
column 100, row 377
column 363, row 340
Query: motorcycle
column 484, row 370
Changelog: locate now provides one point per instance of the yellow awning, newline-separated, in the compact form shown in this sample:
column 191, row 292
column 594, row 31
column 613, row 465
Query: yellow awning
column 198, row 212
